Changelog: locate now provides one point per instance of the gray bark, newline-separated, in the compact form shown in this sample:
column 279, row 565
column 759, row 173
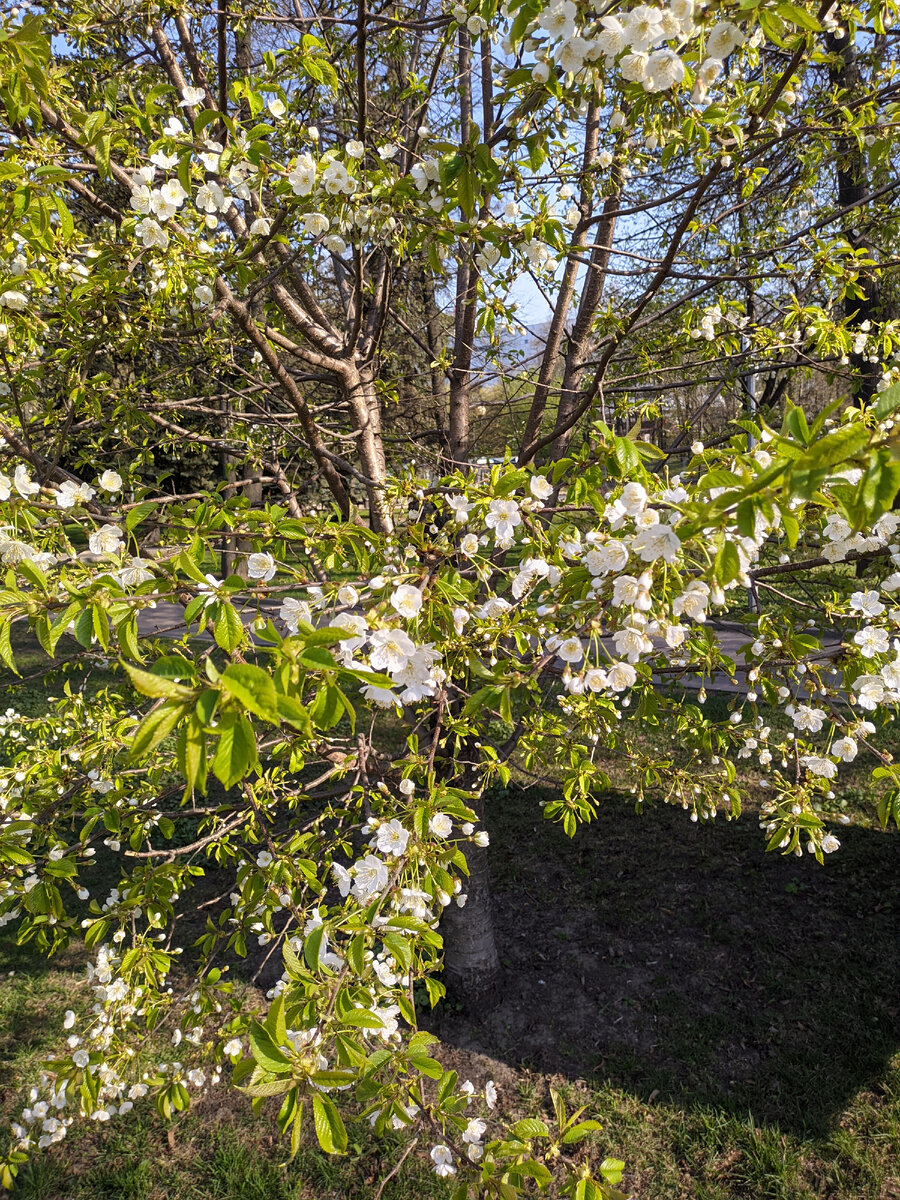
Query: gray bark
column 471, row 962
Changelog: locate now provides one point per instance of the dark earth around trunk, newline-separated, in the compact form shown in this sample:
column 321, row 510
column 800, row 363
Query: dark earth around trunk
column 679, row 959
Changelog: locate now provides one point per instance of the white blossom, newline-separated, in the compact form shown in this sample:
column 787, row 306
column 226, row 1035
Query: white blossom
column 302, row 177
column 570, row 650
column 722, row 39
column 261, row 566
column 871, row 641
column 391, row 649
column 110, row 481
column 540, row 487
column 867, row 604
column 620, row 676
column 407, row 600
column 845, row 748
column 191, row 97
column 391, row 838
column 105, row 540
column 503, row 516
column 442, row 1158
column 440, row 825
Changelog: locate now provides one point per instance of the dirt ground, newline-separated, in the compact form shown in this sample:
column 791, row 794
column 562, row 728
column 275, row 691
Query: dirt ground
column 683, row 964
column 728, row 1015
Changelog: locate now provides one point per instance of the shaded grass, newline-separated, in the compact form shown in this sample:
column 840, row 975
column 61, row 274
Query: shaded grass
column 211, row 1160
column 758, row 1060
column 732, row 1018
column 41, row 677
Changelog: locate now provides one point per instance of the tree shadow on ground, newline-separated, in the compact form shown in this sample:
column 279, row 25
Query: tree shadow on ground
column 663, row 957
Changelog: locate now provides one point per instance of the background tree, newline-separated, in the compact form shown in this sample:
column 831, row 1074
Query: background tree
column 282, row 250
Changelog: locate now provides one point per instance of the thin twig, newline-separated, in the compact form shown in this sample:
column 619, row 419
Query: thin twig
column 390, row 1175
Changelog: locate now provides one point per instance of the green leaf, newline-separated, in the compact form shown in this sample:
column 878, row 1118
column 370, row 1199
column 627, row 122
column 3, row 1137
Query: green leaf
column 6, row 648
column 329, row 1127
column 84, row 628
column 102, row 155
column 228, row 629
column 577, row 1132
column 329, row 635
column 791, row 526
column 888, row 401
column 356, row 953
column 33, row 574
column 296, row 714
column 275, row 1020
column 236, row 751
column 611, row 1169
column 292, row 963
column 101, row 626
column 49, row 634
column 192, row 754
column 266, row 1053
column 420, row 1041
column 586, row 1189
column 333, row 1078
column 836, row 448
column 96, row 932
column 185, row 562
column 156, row 686
column 626, row 455
column 363, row 1018
column 135, row 515
column 728, row 563
column 313, row 945
column 329, row 706
column 173, row 666
column 746, row 518
column 254, row 688
column 795, row 424
column 533, row 1170
column 401, row 949
column 12, row 853
column 268, row 1087
column 428, row 1066
column 485, row 695
column 296, row 1131
column 156, row 726
column 447, row 1085
column 127, row 634
column 798, row 16
column 530, row 1128
column 317, row 658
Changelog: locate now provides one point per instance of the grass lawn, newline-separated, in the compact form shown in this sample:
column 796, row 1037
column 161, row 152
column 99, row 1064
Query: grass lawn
column 732, row 1018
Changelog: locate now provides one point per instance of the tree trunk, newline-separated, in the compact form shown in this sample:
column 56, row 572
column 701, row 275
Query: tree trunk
column 434, row 337
column 471, row 962
column 550, row 359
column 852, row 189
column 591, row 296
column 466, row 292
column 362, row 397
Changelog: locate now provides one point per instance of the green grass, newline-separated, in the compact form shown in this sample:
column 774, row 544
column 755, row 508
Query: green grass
column 237, row 1162
column 732, row 1018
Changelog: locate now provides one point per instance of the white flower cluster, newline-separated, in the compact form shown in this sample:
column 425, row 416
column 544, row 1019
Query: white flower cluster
column 472, row 1134
column 637, row 531
column 106, row 539
column 42, row 1123
column 414, row 668
column 645, row 42
column 841, row 539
